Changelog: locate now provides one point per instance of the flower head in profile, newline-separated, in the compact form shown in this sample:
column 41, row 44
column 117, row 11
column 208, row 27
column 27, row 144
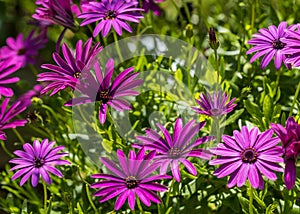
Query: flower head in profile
column 269, row 43
column 248, row 154
column 55, row 12
column 152, row 5
column 68, row 70
column 292, row 47
column 102, row 89
column 23, row 50
column 8, row 113
column 173, row 150
column 290, row 138
column 216, row 105
column 38, row 160
column 7, row 68
column 35, row 92
column 130, row 178
column 111, row 13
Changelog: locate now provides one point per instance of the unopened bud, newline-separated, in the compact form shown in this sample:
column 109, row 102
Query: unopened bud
column 213, row 42
column 189, row 31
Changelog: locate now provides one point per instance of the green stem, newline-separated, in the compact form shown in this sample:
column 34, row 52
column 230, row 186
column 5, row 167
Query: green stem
column 295, row 98
column 277, row 81
column 45, row 197
column 218, row 132
column 19, row 136
column 178, row 10
column 252, row 16
column 5, row 149
column 169, row 193
column 118, row 47
column 140, row 206
column 217, row 67
column 90, row 199
column 250, row 198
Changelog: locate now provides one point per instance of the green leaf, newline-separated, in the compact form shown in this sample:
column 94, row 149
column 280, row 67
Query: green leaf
column 178, row 75
column 253, row 109
column 268, row 107
column 234, row 116
column 272, row 207
column 244, row 202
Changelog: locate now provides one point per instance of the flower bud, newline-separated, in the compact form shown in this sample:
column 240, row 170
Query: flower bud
column 213, row 42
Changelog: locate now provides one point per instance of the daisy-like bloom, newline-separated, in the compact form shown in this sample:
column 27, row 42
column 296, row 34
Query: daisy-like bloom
column 55, row 12
column 35, row 92
column 248, row 155
column 23, row 50
column 38, row 160
column 7, row 68
column 7, row 114
column 152, row 5
column 132, row 177
column 111, row 13
column 290, row 138
column 171, row 151
column 68, row 70
column 292, row 47
column 100, row 89
column 268, row 42
column 216, row 105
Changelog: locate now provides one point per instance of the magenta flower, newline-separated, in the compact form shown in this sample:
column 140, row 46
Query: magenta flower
column 22, row 50
column 35, row 92
column 111, row 13
column 174, row 150
column 248, row 155
column 268, row 42
column 290, row 138
column 132, row 177
column 7, row 68
column 214, row 106
column 55, row 12
column 7, row 114
column 152, row 5
column 38, row 161
column 292, row 48
column 68, row 70
column 101, row 90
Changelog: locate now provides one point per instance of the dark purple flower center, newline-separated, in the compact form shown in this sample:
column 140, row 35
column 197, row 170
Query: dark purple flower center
column 38, row 162
column 131, row 182
column 21, row 51
column 77, row 75
column 216, row 111
column 174, row 153
column 277, row 44
column 103, row 96
column 110, row 15
column 249, row 155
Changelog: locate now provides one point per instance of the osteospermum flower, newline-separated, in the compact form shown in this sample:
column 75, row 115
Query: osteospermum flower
column 216, row 105
column 35, row 92
column 111, row 13
column 101, row 89
column 292, row 47
column 68, row 70
column 7, row 114
column 290, row 138
column 132, row 177
column 152, row 5
column 38, row 160
column 55, row 12
column 174, row 150
column 22, row 50
column 248, row 155
column 7, row 68
column 268, row 42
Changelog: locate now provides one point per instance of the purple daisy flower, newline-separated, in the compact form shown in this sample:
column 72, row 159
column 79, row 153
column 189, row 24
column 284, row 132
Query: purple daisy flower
column 174, row 150
column 290, row 138
column 38, row 160
column 248, row 155
column 22, row 50
column 152, row 5
column 68, row 70
column 7, row 68
column 269, row 42
column 292, row 48
column 35, row 92
column 6, row 114
column 132, row 177
column 111, row 13
column 55, row 12
column 101, row 90
column 214, row 106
